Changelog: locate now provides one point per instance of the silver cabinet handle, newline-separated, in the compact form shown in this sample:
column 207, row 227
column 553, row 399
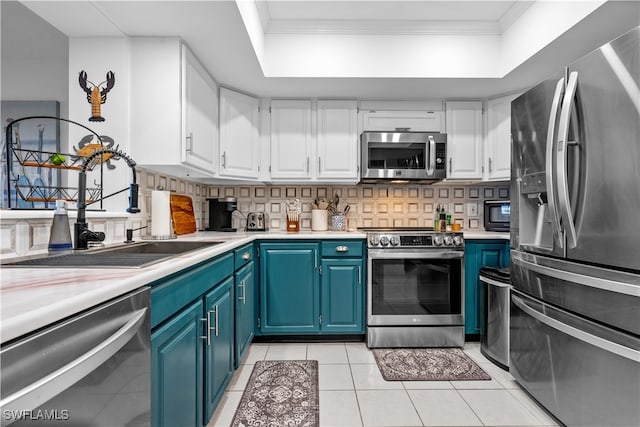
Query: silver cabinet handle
column 319, row 164
column 207, row 328
column 432, row 155
column 551, row 187
column 450, row 160
column 215, row 328
column 561, row 161
column 224, row 159
column 359, row 276
column 593, row 340
column 489, row 164
column 242, row 297
column 342, row 248
column 44, row 389
column 246, row 256
column 190, row 142
column 307, row 164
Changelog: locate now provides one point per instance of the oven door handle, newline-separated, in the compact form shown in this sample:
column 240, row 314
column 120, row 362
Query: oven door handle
column 414, row 254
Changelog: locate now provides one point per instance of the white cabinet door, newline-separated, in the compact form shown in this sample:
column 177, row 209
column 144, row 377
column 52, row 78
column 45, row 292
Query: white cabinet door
column 498, row 149
column 464, row 139
column 337, row 142
column 290, row 139
column 239, row 134
column 411, row 121
column 200, row 114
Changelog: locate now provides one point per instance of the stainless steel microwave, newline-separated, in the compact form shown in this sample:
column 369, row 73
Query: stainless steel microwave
column 497, row 214
column 399, row 156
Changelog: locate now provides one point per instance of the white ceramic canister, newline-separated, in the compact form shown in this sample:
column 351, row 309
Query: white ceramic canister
column 319, row 220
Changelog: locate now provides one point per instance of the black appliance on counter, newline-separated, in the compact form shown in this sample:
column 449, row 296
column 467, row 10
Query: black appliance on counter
column 497, row 215
column 220, row 211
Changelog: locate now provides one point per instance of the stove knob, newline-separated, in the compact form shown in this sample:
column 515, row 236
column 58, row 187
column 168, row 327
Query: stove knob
column 384, row 240
column 458, row 240
column 448, row 240
column 374, row 240
column 395, row 240
column 437, row 240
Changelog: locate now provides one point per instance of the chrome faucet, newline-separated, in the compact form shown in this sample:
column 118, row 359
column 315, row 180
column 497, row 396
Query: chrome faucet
column 81, row 233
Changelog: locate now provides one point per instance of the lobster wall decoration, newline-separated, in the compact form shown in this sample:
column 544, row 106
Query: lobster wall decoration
column 96, row 95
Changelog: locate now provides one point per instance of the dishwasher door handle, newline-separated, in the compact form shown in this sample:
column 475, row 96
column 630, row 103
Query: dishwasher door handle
column 42, row 390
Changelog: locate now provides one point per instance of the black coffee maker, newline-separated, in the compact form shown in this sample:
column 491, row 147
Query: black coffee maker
column 220, row 211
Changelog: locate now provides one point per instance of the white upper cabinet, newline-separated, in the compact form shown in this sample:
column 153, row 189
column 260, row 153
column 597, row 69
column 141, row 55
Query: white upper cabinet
column 290, row 139
column 239, row 135
column 337, row 140
column 498, row 147
column 464, row 139
column 393, row 120
column 200, row 113
column 174, row 109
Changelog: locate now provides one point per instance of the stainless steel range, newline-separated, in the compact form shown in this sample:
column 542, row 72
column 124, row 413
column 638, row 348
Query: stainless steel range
column 415, row 288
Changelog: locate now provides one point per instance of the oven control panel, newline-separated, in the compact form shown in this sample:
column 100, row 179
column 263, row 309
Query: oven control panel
column 407, row 240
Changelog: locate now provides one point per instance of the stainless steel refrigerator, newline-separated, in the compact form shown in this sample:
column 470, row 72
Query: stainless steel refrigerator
column 575, row 243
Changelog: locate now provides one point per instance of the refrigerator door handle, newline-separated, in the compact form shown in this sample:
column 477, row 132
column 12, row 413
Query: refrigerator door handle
column 561, row 161
column 591, row 281
column 551, row 187
column 593, row 340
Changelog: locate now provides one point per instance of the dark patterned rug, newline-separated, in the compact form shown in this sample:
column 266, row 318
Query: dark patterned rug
column 280, row 393
column 427, row 364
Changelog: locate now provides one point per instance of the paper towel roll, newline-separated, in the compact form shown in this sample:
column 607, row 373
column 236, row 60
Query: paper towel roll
column 160, row 213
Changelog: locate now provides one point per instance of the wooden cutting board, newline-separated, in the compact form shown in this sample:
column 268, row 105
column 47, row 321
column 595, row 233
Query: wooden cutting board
column 182, row 215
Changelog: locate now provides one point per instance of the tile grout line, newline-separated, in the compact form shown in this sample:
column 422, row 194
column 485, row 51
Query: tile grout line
column 355, row 391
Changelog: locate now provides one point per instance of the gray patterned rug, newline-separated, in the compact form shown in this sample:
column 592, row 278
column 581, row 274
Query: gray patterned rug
column 427, row 364
column 280, row 393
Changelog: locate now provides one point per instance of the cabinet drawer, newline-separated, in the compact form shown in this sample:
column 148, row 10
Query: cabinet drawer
column 243, row 256
column 340, row 248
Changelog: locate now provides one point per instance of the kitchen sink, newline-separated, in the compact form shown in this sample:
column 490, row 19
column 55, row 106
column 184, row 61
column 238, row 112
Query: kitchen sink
column 134, row 255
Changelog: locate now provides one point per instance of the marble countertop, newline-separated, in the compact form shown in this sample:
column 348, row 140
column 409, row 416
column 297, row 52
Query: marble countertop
column 31, row 298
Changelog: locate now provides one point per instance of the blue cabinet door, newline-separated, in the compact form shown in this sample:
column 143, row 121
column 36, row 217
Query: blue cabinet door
column 480, row 253
column 176, row 370
column 245, row 315
column 289, row 289
column 342, row 295
column 219, row 349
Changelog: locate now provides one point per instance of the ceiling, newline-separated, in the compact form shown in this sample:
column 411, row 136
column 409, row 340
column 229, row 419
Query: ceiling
column 364, row 49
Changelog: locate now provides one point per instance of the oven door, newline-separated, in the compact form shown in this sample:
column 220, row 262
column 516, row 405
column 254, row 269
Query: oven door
column 414, row 287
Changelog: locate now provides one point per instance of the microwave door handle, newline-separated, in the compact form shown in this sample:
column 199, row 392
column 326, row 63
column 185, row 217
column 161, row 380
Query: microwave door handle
column 42, row 390
column 551, row 188
column 561, row 161
column 432, row 156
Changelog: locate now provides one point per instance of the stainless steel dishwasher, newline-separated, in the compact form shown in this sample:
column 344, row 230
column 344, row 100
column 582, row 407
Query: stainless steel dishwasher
column 495, row 290
column 90, row 370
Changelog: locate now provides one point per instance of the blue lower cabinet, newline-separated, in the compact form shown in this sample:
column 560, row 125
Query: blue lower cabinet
column 289, row 290
column 477, row 254
column 219, row 344
column 245, row 311
column 342, row 291
column 176, row 367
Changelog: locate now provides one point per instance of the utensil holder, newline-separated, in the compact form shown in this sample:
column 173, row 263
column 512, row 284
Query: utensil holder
column 338, row 223
column 293, row 225
column 319, row 220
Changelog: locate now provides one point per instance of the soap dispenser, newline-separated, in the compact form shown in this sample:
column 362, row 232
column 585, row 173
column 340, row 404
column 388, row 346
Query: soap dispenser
column 60, row 238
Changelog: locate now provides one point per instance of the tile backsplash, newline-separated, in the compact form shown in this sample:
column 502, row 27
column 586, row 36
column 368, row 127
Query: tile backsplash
column 371, row 205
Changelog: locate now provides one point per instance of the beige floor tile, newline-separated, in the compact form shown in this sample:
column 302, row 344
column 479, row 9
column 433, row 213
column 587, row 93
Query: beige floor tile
column 538, row 411
column 443, row 408
column 359, row 353
column 335, row 377
column 387, row 408
column 240, row 378
column 500, row 375
column 368, row 377
column 287, row 352
column 427, row 385
column 339, row 409
column 498, row 408
column 327, row 353
column 226, row 409
column 256, row 352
